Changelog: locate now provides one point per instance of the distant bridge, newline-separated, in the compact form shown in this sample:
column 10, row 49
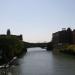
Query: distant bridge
column 30, row 45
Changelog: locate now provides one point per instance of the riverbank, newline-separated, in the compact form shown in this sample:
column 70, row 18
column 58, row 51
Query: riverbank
column 66, row 49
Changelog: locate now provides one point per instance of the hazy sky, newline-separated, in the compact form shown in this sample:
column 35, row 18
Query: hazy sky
column 36, row 19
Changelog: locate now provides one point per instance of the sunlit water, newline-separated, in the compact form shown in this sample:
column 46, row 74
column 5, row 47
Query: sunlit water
column 38, row 61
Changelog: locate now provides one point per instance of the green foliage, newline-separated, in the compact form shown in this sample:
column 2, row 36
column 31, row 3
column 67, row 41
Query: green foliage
column 67, row 48
column 71, row 48
column 11, row 45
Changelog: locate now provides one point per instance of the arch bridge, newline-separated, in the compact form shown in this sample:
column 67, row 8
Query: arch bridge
column 30, row 45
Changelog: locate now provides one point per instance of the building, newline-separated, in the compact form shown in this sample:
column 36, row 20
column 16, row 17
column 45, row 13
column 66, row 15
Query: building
column 9, row 34
column 73, row 36
column 64, row 36
column 59, row 37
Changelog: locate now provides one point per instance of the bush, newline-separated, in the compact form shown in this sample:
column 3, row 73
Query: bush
column 11, row 46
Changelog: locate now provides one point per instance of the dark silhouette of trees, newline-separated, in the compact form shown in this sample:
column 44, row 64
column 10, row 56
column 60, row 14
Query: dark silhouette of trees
column 11, row 46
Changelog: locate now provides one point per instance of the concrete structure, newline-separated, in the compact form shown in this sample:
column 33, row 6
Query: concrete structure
column 64, row 36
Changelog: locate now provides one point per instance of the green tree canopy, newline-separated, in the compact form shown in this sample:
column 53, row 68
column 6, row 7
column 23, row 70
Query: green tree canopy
column 11, row 45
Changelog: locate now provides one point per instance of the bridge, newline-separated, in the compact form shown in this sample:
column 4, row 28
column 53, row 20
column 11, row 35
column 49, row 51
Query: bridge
column 30, row 45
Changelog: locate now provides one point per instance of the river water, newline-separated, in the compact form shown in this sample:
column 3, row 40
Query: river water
column 38, row 61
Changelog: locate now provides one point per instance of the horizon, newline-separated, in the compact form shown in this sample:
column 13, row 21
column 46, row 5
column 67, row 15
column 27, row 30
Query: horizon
column 36, row 20
column 36, row 42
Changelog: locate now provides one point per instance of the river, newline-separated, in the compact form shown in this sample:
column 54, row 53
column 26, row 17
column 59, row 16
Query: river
column 38, row 61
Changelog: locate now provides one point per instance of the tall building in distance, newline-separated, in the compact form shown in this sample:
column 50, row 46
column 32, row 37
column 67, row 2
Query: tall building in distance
column 64, row 36
column 8, row 32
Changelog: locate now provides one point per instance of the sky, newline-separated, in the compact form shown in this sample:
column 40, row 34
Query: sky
column 36, row 20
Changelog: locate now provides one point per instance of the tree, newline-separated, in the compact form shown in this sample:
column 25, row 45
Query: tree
column 11, row 46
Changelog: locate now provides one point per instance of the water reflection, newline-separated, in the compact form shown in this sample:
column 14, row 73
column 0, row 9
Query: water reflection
column 45, row 63
column 41, row 62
